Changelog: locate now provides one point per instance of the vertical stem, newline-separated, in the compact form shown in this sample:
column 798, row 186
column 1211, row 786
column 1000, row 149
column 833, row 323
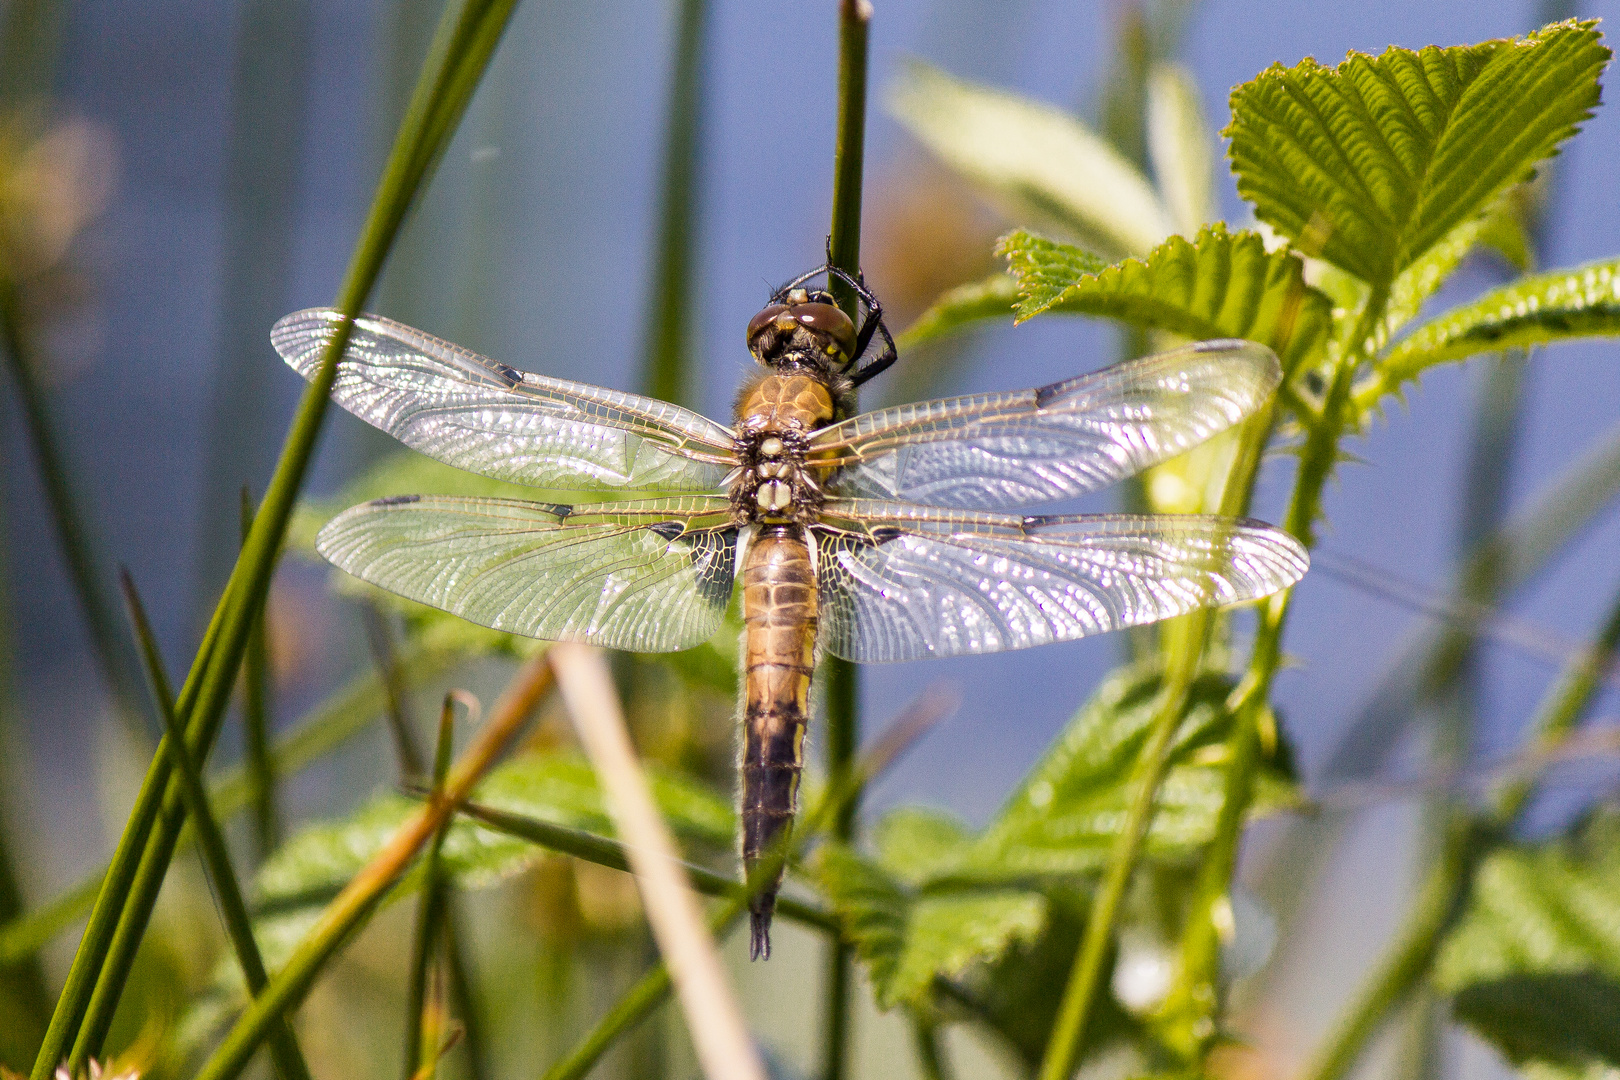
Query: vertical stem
column 380, row 637
column 843, row 684
column 256, row 721
column 930, row 1054
column 1068, row 1032
column 665, row 366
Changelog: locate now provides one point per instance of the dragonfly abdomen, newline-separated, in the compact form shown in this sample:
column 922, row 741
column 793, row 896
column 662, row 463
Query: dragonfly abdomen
column 779, row 616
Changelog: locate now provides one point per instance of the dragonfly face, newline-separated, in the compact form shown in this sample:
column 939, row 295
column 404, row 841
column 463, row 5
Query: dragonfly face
column 878, row 537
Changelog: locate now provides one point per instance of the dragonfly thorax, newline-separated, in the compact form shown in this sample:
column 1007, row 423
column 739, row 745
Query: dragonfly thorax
column 771, row 484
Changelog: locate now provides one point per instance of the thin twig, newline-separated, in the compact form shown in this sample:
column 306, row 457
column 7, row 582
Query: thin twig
column 719, row 1034
column 366, row 889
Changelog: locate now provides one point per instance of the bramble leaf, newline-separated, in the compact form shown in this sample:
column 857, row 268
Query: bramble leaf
column 1220, row 285
column 977, row 301
column 908, row 938
column 559, row 788
column 1064, row 817
column 1371, row 163
column 1560, row 305
column 1534, row 963
column 1040, row 164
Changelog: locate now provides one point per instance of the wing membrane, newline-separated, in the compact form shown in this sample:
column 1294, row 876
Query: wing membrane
column 651, row 576
column 479, row 415
column 1001, row 451
column 900, row 582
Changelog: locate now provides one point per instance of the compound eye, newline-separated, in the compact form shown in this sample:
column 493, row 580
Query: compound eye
column 758, row 324
column 829, row 320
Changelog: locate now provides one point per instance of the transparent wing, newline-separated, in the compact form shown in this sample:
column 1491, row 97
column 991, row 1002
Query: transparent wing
column 900, row 582
column 479, row 415
column 1001, row 451
column 650, row 576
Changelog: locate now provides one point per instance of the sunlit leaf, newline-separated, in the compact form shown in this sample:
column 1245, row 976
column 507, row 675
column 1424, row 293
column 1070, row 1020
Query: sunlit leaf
column 1064, row 817
column 959, row 308
column 1534, row 963
column 1371, row 163
column 559, row 788
column 1560, row 305
column 908, row 938
column 1041, row 165
column 1220, row 285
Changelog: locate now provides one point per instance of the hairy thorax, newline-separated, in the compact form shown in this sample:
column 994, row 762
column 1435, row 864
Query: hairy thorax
column 776, row 415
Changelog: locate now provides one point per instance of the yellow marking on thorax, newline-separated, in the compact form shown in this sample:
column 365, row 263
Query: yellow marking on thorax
column 783, row 402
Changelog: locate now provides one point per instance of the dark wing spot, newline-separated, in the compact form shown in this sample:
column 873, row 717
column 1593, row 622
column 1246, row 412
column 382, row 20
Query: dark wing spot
column 883, row 534
column 511, row 374
column 396, row 500
column 669, row 530
column 1045, row 394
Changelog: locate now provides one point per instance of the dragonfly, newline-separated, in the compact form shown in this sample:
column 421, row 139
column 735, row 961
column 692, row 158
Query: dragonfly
column 885, row 536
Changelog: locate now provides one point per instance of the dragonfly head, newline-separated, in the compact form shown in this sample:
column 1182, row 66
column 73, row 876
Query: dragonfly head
column 802, row 329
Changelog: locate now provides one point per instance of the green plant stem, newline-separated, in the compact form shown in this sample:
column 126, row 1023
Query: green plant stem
column 284, row 1052
column 430, row 908
column 73, row 533
column 605, row 851
column 1068, row 1031
column 931, row 1060
column 467, row 37
column 665, row 367
column 843, row 684
column 344, row 715
column 354, row 905
column 1439, row 900
column 256, row 721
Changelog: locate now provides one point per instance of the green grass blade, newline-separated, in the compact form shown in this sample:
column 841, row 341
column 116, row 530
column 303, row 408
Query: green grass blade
column 284, row 1052
column 466, row 40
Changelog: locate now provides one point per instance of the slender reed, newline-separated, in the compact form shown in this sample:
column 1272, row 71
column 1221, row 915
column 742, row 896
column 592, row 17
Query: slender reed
column 430, row 908
column 466, row 39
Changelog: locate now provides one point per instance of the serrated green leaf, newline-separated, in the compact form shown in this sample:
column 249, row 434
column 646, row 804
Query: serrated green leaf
column 1534, row 963
column 1180, row 143
column 560, row 788
column 907, row 938
column 914, row 843
column 1371, row 163
column 1063, row 818
column 1043, row 166
column 1219, row 285
column 958, row 308
column 1560, row 305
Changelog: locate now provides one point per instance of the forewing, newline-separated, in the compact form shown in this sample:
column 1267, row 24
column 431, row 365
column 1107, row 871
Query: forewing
column 1001, row 451
column 489, row 418
column 901, row 582
column 651, row 576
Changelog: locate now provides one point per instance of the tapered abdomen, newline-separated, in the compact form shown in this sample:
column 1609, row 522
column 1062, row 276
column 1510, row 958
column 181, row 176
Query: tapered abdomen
column 779, row 616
